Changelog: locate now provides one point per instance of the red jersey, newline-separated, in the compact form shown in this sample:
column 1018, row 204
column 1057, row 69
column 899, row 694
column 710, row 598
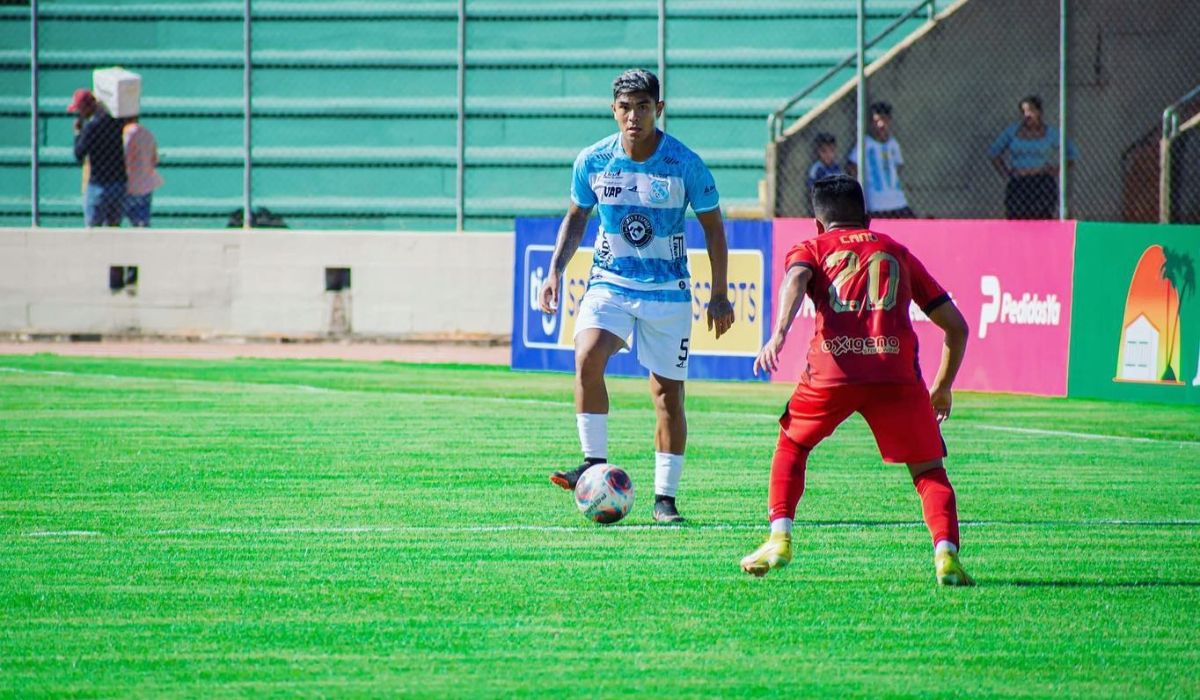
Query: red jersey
column 862, row 284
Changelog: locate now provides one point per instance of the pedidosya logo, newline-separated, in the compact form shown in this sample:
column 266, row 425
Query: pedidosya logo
column 637, row 230
column 1029, row 309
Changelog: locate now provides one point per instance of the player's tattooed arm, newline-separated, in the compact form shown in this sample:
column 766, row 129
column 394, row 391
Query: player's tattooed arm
column 570, row 235
column 947, row 317
column 791, row 294
column 720, row 310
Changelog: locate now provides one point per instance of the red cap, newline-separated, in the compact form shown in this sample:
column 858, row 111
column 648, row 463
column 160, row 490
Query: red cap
column 82, row 98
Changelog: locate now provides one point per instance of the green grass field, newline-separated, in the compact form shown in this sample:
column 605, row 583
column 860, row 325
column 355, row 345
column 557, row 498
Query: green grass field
column 271, row 528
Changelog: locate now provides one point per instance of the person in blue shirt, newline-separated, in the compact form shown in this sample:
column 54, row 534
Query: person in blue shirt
column 824, row 159
column 641, row 182
column 1032, row 164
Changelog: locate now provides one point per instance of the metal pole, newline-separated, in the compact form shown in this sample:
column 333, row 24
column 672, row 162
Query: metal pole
column 1062, row 110
column 33, row 112
column 1170, row 127
column 460, row 157
column 662, row 58
column 246, row 106
column 1164, row 179
column 860, row 123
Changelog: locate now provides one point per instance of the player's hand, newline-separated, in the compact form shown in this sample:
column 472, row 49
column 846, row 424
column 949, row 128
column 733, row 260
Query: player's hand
column 720, row 314
column 768, row 356
column 548, row 296
column 941, row 399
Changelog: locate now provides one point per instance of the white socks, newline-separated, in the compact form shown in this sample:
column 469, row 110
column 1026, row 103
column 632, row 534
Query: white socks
column 593, row 438
column 593, row 434
column 667, row 470
column 944, row 545
column 781, row 526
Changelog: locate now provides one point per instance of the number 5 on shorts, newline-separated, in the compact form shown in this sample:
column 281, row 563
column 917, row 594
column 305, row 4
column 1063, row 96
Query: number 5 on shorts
column 683, row 353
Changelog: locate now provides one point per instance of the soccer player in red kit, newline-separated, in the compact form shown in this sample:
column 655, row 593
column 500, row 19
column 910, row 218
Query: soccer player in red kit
column 863, row 358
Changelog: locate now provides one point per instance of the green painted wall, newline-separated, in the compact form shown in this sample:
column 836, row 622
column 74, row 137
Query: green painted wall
column 1122, row 306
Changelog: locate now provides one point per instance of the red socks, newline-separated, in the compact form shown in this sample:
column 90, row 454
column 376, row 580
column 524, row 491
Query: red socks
column 937, row 503
column 787, row 478
column 787, row 486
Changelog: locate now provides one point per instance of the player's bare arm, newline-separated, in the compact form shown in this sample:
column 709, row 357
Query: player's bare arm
column 791, row 294
column 720, row 310
column 947, row 317
column 570, row 235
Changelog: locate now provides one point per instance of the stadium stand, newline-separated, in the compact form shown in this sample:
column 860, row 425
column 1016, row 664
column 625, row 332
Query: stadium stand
column 354, row 103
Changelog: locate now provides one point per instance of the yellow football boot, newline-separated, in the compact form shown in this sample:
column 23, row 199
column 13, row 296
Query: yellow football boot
column 950, row 571
column 775, row 553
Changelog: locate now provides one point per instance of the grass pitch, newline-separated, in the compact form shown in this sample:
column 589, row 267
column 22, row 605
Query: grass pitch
column 272, row 528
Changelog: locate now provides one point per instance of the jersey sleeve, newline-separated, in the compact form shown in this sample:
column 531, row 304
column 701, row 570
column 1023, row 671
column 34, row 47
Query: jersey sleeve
column 926, row 291
column 899, row 158
column 701, row 187
column 801, row 254
column 581, row 186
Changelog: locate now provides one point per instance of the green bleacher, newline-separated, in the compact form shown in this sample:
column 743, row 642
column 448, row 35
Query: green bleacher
column 354, row 103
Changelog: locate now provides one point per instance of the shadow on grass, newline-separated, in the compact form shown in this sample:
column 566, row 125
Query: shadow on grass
column 1091, row 584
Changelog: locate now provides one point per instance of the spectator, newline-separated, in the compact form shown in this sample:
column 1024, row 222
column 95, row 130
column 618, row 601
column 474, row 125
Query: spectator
column 1032, row 167
column 141, row 161
column 885, row 195
column 824, row 159
column 98, row 140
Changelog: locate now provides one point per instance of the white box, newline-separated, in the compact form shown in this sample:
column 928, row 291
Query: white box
column 119, row 90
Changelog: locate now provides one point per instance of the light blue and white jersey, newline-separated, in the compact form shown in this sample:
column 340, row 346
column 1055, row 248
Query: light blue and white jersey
column 640, row 249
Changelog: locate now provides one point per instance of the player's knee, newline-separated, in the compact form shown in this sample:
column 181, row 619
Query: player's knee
column 916, row 469
column 668, row 400
column 589, row 366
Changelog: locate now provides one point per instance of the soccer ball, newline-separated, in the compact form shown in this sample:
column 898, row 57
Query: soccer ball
column 604, row 493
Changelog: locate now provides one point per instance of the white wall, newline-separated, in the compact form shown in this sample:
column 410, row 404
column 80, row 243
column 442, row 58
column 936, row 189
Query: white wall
column 254, row 284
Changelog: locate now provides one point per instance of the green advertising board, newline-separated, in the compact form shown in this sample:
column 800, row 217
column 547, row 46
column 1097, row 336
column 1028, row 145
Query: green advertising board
column 1135, row 331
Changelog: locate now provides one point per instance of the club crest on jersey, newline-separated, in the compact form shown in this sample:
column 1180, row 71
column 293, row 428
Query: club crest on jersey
column 660, row 189
column 637, row 230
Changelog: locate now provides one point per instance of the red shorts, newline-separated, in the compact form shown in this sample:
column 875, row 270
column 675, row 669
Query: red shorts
column 900, row 415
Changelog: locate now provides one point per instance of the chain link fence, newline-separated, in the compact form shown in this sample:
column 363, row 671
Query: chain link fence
column 966, row 117
column 341, row 127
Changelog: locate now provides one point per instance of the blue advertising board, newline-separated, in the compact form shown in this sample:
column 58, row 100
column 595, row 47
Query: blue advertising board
column 546, row 342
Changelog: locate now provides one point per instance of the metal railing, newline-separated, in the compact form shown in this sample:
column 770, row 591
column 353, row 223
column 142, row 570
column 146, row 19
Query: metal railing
column 1171, row 129
column 776, row 119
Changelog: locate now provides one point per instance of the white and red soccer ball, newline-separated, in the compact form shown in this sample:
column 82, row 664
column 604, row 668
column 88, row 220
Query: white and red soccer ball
column 604, row 493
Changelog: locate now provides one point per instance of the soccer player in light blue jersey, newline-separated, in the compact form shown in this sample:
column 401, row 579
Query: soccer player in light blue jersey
column 641, row 181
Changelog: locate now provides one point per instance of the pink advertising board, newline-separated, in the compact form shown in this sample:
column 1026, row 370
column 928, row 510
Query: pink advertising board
column 1011, row 279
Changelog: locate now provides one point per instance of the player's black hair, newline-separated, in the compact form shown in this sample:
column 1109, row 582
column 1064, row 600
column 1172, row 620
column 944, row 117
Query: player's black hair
column 1033, row 100
column 883, row 109
column 636, row 80
column 839, row 198
column 824, row 138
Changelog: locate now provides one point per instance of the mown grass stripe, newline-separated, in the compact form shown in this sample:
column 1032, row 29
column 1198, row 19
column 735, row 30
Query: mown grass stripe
column 459, row 529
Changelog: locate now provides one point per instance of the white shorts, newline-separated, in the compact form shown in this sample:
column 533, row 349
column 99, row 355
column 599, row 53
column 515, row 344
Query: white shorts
column 664, row 328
